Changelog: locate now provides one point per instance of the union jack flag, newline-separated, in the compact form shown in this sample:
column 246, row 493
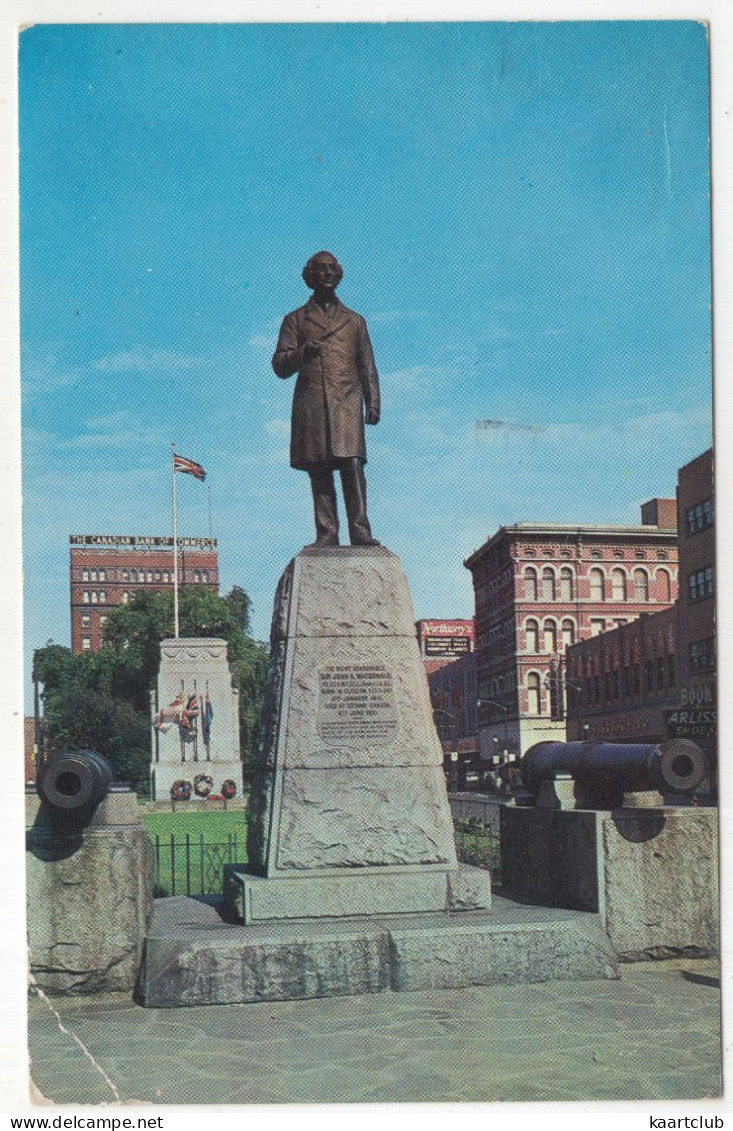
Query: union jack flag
column 188, row 467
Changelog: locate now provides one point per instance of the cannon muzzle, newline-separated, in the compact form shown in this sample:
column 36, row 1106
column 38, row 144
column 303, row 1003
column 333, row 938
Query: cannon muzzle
column 609, row 769
column 74, row 782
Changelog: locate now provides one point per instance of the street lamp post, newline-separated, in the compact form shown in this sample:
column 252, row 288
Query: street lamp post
column 452, row 754
column 493, row 703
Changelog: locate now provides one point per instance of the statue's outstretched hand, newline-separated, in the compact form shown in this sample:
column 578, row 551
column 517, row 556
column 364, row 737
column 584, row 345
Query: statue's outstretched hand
column 310, row 350
column 372, row 416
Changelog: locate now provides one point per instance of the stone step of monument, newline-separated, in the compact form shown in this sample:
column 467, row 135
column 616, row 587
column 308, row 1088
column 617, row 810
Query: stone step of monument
column 194, row 956
column 342, row 892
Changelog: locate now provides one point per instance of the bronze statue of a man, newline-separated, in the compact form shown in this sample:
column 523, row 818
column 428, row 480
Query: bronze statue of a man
column 328, row 346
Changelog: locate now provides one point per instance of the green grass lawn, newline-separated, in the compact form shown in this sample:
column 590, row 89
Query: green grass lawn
column 192, row 849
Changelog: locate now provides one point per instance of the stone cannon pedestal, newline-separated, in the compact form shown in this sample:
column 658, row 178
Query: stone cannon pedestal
column 650, row 873
column 90, row 896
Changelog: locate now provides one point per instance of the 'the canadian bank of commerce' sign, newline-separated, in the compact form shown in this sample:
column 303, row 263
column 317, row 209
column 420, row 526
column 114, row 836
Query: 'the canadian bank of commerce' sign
column 134, row 540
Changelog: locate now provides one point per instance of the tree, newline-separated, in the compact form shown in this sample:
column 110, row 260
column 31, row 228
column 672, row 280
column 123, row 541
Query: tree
column 81, row 712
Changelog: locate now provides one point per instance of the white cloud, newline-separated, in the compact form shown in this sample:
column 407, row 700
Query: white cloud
column 262, row 342
column 144, row 361
column 278, row 427
column 119, row 438
column 384, row 316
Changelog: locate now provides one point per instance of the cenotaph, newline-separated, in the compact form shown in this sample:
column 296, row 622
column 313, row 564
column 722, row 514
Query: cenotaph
column 195, row 718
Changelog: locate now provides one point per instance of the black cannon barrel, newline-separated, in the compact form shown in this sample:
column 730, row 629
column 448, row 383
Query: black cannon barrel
column 675, row 766
column 74, row 781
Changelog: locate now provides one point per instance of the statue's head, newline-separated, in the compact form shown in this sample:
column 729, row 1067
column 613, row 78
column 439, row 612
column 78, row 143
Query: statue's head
column 323, row 271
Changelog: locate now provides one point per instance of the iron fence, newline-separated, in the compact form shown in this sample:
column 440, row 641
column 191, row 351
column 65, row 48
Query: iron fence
column 191, row 865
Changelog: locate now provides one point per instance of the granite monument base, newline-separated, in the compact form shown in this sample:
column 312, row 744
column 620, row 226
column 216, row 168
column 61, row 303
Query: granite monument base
column 255, row 899
column 349, row 812
column 194, row 956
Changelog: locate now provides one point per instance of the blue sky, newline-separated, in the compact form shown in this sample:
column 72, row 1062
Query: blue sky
column 522, row 214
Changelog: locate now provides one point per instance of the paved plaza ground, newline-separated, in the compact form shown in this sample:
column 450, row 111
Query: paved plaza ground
column 653, row 1034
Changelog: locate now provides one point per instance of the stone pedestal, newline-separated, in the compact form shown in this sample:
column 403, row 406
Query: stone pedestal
column 349, row 810
column 651, row 873
column 90, row 897
column 192, row 667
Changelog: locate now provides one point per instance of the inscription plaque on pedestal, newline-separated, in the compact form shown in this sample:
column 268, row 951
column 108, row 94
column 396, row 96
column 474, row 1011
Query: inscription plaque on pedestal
column 356, row 704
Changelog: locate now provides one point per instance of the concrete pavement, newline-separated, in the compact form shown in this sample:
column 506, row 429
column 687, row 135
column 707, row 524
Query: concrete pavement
column 653, row 1034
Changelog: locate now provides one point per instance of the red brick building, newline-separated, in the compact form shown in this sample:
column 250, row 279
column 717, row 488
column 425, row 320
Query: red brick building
column 656, row 679
column 105, row 570
column 697, row 668
column 621, row 685
column 541, row 588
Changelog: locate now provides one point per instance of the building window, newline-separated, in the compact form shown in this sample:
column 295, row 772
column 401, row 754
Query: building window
column 149, row 575
column 597, row 588
column 701, row 584
column 530, row 583
column 157, row 575
column 566, row 584
column 86, row 643
column 86, row 620
column 620, row 621
column 550, row 635
column 95, row 597
column 700, row 517
column 103, row 620
column 85, row 596
column 102, row 575
column 103, row 596
column 641, row 585
column 93, row 575
column 568, row 633
column 636, row 671
column 533, row 636
column 534, row 694
column 665, row 585
column 548, row 584
column 597, row 626
column 125, row 575
column 702, row 655
column 85, row 575
column 196, row 575
column 125, row 598
column 618, row 585
column 140, row 575
column 204, row 576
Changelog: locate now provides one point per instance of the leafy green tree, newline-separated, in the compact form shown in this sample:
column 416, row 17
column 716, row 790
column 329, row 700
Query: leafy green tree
column 80, row 712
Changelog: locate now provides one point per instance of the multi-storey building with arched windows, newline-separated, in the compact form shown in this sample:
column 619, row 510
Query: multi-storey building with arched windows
column 540, row 588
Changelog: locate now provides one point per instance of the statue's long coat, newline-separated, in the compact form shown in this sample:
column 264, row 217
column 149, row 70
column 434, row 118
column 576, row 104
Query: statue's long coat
column 332, row 389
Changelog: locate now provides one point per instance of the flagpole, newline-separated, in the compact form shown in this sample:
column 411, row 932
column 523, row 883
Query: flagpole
column 175, row 542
